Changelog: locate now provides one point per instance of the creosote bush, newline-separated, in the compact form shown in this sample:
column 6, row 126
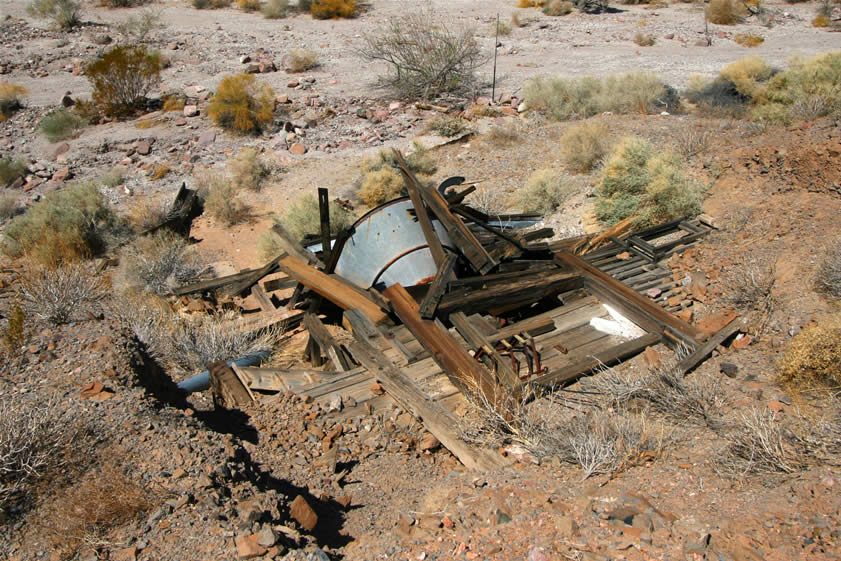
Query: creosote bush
column 545, row 192
column 726, row 12
column 557, row 8
column 641, row 181
column 242, row 104
column 68, row 225
column 328, row 9
column 66, row 13
column 158, row 263
column 813, row 357
column 122, row 77
column 382, row 180
column 57, row 295
column 635, row 92
column 10, row 95
column 425, row 57
column 748, row 40
column 584, row 145
column 60, row 125
column 11, row 170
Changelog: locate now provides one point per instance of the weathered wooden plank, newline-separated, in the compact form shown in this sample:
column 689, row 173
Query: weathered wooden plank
column 324, row 221
column 283, row 283
column 293, row 247
column 638, row 308
column 445, row 350
column 477, row 341
column 212, row 284
column 228, row 390
column 532, row 326
column 439, row 421
column 279, row 379
column 414, row 188
column 690, row 362
column 240, row 286
column 262, row 298
column 321, row 336
column 438, row 287
column 330, row 287
column 607, row 357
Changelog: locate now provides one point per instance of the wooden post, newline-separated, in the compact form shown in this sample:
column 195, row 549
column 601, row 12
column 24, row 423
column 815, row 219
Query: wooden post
column 324, row 212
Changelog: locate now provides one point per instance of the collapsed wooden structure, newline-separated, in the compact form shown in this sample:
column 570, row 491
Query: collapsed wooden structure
column 505, row 312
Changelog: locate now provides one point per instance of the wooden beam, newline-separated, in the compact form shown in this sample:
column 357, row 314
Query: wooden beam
column 240, row 286
column 638, row 308
column 324, row 220
column 331, row 288
column 438, row 287
column 293, row 247
column 262, row 298
column 414, row 188
column 690, row 362
column 439, row 421
column 228, row 390
column 445, row 350
column 603, row 358
column 532, row 326
column 326, row 342
column 478, row 341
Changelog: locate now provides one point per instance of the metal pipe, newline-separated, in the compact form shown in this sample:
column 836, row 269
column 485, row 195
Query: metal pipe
column 201, row 381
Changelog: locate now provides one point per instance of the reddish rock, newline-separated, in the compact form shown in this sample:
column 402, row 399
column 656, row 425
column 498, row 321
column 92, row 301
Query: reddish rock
column 143, row 148
column 713, row 323
column 376, row 389
column 344, row 500
column 91, row 389
column 653, row 292
column 685, row 315
column 61, row 149
column 673, row 301
column 776, row 406
column 62, row 175
column 283, row 98
column 429, row 442
column 298, row 149
column 303, row 513
column 652, row 357
column 293, row 83
column 510, row 111
column 248, row 548
column 126, row 554
column 742, row 342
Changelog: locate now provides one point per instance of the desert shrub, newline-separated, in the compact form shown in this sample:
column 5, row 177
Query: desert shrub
column 545, row 192
column 425, row 57
column 248, row 5
column 691, row 141
column 57, row 295
column 158, row 263
column 159, row 171
column 530, row 3
column 327, row 9
column 147, row 212
column 66, row 13
column 10, row 170
column 828, row 279
column 248, row 170
column 820, row 21
column 303, row 218
column 634, row 92
column 644, row 39
column 810, row 86
column 87, row 111
column 299, row 60
column 500, row 28
column 82, row 514
column 813, row 357
column 749, row 285
column 13, row 335
column 558, row 8
column 111, row 178
column 35, row 442
column 505, row 134
column 304, row 6
column 591, row 6
column 137, row 28
column 717, row 97
column 8, row 206
column 173, row 103
column 583, row 146
column 60, row 124
column 122, row 77
column 211, row 4
column 490, row 200
column 638, row 180
column 448, row 126
column 242, row 104
column 758, row 443
column 748, row 40
column 10, row 95
column 275, row 9
column 725, row 12
column 122, row 3
column 68, row 225
column 382, row 180
column 221, row 199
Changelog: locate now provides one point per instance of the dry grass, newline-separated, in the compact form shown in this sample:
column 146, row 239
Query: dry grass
column 173, row 103
column 11, row 170
column 558, row 8
column 545, row 192
column 14, row 333
column 828, row 279
column 447, row 126
column 725, row 12
column 490, row 200
column 813, row 357
column 584, row 145
column 57, row 295
column 159, row 263
column 379, row 186
column 8, row 206
column 84, row 515
column 644, row 39
column 504, row 135
column 160, row 171
column 329, row 9
column 10, row 99
column 147, row 212
column 759, row 444
column 247, row 170
column 221, row 198
column 691, row 141
column 748, row 40
column 300, row 60
column 381, row 179
column 302, row 219
column 820, row 21
column 248, row 5
column 60, row 124
column 750, row 285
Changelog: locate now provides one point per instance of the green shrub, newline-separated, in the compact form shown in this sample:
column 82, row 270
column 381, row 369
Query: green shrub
column 558, row 8
column 211, row 4
column 65, row 13
column 583, row 146
column 122, row 77
column 275, row 9
column 813, row 357
column 60, row 124
column 327, row 9
column 635, row 92
column 68, row 225
column 425, row 57
column 248, row 170
column 303, row 218
column 10, row 95
column 242, row 104
column 641, row 181
column 11, row 170
column 545, row 192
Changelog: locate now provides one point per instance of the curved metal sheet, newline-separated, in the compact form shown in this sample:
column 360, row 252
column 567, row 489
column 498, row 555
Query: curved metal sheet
column 388, row 247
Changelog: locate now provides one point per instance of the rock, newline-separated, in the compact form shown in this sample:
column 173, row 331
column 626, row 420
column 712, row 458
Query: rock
column 207, row 138
column 653, row 292
column 345, row 500
column 283, row 98
column 294, row 83
column 266, row 537
column 191, row 110
column 741, row 342
column 376, row 389
column 303, row 513
column 67, row 101
column 536, row 554
column 776, row 406
column 125, row 554
column 567, row 526
column 728, row 369
column 713, row 323
column 62, row 175
column 686, row 314
column 669, row 36
column 60, row 149
column 248, row 548
column 404, row 526
column 673, row 301
column 482, row 100
column 624, row 256
column 394, row 106
column 298, row 149
column 429, row 442
column 652, row 357
column 143, row 148
column 91, row 389
column 180, row 122
column 245, row 59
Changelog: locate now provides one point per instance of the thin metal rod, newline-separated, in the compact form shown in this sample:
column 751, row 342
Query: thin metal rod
column 496, row 42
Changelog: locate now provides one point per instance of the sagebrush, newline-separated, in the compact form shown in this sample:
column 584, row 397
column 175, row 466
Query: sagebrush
column 584, row 145
column 725, row 12
column 60, row 124
column 382, row 180
column 545, row 192
column 221, row 198
column 275, row 9
column 299, row 60
column 11, row 170
column 248, row 170
column 303, row 218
